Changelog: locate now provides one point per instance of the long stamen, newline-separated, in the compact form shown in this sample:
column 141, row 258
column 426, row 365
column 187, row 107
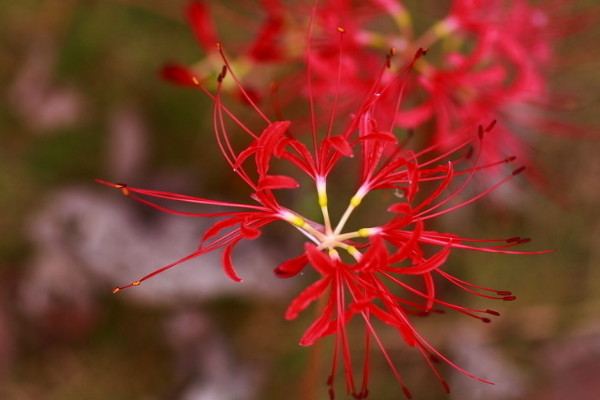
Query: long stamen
column 240, row 86
column 311, row 100
column 474, row 198
column 354, row 202
column 338, row 82
column 322, row 199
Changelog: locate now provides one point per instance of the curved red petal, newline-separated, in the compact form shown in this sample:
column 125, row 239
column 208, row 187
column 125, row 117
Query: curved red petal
column 179, row 74
column 277, row 182
column 228, row 264
column 292, row 267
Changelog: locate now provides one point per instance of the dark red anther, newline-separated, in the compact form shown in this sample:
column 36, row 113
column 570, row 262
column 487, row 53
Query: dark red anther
column 420, row 52
column 406, row 392
column 518, row 170
column 490, row 126
column 486, row 320
column 388, row 57
column 470, row 152
column 492, row 312
column 480, row 131
column 513, row 239
column 222, row 74
column 509, row 298
column 446, row 387
column 504, row 293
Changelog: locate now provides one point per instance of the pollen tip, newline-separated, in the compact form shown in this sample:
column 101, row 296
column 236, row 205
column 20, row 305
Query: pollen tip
column 116, row 290
column 124, row 188
column 136, row 283
column 340, row 29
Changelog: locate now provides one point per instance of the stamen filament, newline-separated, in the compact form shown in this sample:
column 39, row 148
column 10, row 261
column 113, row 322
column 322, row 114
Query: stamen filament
column 354, row 202
column 322, row 199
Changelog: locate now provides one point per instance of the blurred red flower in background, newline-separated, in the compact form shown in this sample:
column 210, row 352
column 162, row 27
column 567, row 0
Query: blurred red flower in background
column 489, row 60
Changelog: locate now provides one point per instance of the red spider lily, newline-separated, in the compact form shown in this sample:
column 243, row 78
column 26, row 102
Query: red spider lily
column 490, row 61
column 503, row 74
column 361, row 271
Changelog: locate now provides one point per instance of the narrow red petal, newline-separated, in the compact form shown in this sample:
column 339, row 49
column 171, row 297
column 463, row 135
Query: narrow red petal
column 228, row 264
column 306, row 297
column 292, row 267
column 249, row 232
column 277, row 182
column 201, row 21
column 341, row 144
column 179, row 74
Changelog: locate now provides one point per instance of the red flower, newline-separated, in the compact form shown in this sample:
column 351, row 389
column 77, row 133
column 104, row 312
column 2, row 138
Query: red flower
column 361, row 270
column 489, row 60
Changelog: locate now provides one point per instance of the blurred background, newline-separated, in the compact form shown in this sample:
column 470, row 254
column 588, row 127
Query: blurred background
column 81, row 99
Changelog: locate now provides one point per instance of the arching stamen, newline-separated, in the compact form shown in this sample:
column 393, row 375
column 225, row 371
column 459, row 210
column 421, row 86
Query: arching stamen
column 247, row 97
